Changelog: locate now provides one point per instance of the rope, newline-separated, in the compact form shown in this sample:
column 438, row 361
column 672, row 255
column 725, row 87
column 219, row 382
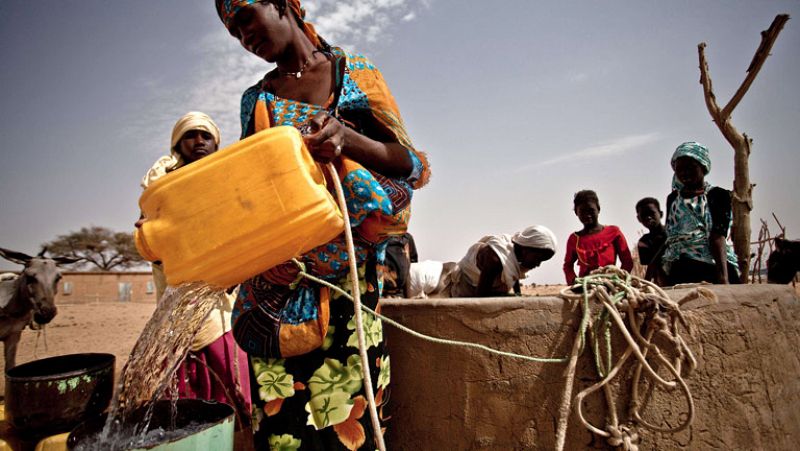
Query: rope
column 412, row 332
column 41, row 331
column 362, row 346
column 577, row 349
column 618, row 292
column 238, row 379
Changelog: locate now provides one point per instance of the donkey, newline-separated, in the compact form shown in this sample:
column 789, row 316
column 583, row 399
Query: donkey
column 27, row 297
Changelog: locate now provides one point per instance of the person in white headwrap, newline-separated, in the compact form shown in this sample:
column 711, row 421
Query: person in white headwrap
column 496, row 263
column 195, row 136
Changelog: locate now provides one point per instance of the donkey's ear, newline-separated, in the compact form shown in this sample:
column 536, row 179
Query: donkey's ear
column 14, row 256
column 65, row 260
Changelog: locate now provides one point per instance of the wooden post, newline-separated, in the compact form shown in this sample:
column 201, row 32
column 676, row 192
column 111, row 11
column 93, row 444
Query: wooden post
column 741, row 143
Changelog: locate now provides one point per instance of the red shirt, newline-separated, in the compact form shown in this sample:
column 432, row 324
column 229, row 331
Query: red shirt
column 595, row 251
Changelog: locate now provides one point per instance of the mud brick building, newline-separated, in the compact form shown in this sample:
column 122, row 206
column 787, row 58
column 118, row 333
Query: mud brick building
column 105, row 287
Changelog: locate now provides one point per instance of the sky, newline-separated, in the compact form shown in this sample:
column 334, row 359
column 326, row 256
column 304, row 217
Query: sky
column 518, row 104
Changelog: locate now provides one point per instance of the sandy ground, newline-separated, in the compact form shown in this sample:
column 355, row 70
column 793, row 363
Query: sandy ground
column 78, row 328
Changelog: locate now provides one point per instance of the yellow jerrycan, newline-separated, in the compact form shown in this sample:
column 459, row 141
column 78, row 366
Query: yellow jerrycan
column 238, row 212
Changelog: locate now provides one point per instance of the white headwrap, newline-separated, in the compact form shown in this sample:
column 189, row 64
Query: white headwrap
column 536, row 237
column 218, row 321
column 193, row 120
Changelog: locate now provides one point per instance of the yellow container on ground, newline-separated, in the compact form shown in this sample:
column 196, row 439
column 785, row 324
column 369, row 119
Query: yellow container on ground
column 238, row 212
column 53, row 443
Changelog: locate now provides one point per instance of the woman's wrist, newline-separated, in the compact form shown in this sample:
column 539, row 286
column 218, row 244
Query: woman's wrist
column 389, row 159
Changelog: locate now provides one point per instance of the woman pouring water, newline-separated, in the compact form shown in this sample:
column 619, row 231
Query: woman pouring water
column 300, row 335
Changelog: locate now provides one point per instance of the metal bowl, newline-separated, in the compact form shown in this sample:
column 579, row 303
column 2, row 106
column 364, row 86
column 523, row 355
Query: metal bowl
column 53, row 395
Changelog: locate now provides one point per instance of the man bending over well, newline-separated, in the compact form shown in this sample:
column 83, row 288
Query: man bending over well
column 496, row 263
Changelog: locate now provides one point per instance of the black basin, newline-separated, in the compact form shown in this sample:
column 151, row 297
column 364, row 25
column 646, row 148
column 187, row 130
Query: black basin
column 53, row 395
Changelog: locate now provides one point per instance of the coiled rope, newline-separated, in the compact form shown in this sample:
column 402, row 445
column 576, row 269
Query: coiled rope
column 643, row 304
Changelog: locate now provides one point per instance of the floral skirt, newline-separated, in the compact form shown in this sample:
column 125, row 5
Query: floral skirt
column 316, row 401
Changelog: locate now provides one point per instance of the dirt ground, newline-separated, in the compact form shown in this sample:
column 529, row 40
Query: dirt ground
column 78, row 328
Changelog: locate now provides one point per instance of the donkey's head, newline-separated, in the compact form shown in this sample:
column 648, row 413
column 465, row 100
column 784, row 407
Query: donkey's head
column 38, row 281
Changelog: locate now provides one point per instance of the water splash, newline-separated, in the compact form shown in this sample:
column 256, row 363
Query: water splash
column 161, row 347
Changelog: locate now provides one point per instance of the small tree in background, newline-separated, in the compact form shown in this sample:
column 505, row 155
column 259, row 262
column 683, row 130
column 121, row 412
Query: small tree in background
column 741, row 143
column 97, row 248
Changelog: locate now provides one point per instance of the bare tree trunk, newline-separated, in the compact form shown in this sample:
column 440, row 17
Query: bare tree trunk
column 741, row 143
column 742, row 205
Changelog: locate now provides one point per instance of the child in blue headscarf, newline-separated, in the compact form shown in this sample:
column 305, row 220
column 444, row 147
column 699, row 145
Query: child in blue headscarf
column 698, row 220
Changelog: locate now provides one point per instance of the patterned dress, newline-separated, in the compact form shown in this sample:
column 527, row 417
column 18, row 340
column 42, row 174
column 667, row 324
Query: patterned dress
column 690, row 222
column 308, row 387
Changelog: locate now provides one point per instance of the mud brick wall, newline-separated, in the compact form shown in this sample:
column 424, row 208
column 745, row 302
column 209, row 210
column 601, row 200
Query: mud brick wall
column 746, row 387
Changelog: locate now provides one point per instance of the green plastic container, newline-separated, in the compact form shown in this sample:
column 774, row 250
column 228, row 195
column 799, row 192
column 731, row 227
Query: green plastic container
column 214, row 432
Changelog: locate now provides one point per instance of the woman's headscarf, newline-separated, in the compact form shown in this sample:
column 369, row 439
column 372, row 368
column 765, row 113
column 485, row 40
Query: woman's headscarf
column 693, row 150
column 536, row 237
column 227, row 9
column 190, row 121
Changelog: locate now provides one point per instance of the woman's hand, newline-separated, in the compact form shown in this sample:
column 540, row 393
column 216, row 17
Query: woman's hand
column 283, row 274
column 327, row 138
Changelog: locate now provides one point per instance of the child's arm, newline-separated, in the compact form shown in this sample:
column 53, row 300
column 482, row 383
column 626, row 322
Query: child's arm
column 719, row 204
column 719, row 251
column 569, row 260
column 621, row 247
column 645, row 254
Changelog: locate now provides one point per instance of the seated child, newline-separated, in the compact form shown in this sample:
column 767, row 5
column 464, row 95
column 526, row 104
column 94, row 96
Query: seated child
column 698, row 219
column 596, row 245
column 651, row 244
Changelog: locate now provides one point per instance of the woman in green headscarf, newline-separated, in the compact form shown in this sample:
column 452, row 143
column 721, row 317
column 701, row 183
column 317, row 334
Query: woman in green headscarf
column 698, row 220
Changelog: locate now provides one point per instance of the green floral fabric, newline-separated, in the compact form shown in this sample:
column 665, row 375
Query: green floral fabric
column 316, row 401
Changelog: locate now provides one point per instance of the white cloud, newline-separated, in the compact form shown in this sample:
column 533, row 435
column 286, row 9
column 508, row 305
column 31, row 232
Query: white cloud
column 357, row 21
column 616, row 147
column 227, row 69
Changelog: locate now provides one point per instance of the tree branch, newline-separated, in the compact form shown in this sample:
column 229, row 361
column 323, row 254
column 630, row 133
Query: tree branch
column 768, row 38
column 708, row 89
column 723, row 123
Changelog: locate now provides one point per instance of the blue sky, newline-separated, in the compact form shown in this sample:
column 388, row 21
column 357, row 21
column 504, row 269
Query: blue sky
column 519, row 104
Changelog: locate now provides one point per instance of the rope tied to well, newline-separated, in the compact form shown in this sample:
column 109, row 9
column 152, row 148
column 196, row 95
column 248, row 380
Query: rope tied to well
column 650, row 313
